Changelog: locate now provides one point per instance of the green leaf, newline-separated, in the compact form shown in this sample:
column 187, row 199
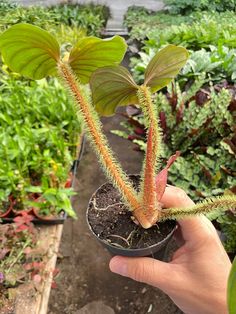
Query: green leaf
column 232, row 289
column 34, row 189
column 164, row 66
column 91, row 53
column 112, row 87
column 30, row 51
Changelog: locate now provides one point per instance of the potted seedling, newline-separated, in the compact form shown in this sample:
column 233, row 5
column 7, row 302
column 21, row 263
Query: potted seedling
column 53, row 201
column 125, row 214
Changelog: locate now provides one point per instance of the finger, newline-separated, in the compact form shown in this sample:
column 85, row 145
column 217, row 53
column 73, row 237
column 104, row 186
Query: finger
column 144, row 269
column 192, row 228
column 176, row 197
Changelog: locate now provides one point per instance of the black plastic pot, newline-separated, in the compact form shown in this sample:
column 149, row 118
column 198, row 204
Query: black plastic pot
column 157, row 250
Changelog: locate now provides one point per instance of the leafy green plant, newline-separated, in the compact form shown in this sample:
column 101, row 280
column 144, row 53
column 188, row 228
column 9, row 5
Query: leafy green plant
column 51, row 199
column 188, row 6
column 206, row 29
column 39, row 136
column 89, row 18
column 218, row 64
column 141, row 21
column 35, row 53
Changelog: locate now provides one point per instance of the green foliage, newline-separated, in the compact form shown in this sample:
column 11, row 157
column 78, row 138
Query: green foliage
column 219, row 63
column 202, row 137
column 114, row 86
column 231, row 292
column 141, row 21
column 35, row 52
column 36, row 15
column 96, row 52
column 52, row 199
column 207, row 29
column 195, row 31
column 91, row 18
column 164, row 66
column 39, row 133
column 186, row 7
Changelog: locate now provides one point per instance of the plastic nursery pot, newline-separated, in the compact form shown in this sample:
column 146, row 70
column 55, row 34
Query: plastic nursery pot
column 8, row 209
column 111, row 223
column 37, row 214
column 28, row 210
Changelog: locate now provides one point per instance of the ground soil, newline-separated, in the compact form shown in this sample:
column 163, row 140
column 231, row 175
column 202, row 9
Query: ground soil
column 85, row 284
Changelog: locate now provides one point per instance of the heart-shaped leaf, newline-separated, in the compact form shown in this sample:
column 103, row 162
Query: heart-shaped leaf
column 91, row 53
column 164, row 66
column 112, row 87
column 30, row 51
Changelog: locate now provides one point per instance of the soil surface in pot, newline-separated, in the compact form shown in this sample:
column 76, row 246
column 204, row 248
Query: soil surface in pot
column 111, row 220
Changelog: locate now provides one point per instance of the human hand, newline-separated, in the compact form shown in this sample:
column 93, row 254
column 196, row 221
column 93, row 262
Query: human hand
column 196, row 278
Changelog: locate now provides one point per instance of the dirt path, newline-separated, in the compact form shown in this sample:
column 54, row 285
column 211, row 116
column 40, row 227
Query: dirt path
column 83, row 263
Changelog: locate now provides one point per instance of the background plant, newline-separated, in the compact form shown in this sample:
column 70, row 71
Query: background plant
column 18, row 241
column 188, row 6
column 39, row 136
column 89, row 18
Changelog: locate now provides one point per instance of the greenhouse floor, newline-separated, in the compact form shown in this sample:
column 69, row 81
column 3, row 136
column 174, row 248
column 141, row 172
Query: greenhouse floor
column 85, row 284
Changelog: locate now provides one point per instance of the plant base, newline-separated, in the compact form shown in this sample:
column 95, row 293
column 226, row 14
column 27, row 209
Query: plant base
column 113, row 225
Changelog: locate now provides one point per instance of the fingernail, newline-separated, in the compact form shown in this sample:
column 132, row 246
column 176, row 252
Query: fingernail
column 118, row 266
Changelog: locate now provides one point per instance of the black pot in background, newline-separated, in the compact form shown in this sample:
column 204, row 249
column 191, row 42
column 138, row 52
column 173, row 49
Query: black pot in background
column 157, row 251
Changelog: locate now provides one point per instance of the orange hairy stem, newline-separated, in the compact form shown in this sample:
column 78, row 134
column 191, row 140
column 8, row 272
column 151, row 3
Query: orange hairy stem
column 99, row 140
column 149, row 193
column 151, row 116
column 150, row 205
column 149, row 210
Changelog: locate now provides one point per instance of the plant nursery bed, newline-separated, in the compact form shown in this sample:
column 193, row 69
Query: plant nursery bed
column 32, row 297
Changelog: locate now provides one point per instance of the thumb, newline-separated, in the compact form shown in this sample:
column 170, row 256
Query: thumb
column 143, row 269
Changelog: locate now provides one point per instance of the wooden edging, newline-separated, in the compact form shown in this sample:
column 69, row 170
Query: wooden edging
column 35, row 301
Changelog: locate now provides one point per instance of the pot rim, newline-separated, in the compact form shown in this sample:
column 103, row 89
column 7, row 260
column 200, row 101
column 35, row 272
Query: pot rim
column 160, row 243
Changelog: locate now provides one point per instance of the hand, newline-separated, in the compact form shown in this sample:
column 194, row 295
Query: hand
column 196, row 278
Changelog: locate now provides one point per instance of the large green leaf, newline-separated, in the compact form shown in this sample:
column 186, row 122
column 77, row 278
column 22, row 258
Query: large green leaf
column 232, row 289
column 164, row 66
column 30, row 51
column 112, row 87
column 92, row 53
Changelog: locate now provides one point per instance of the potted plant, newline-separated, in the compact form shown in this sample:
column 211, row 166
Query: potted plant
column 127, row 200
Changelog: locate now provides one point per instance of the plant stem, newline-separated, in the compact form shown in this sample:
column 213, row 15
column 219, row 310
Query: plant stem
column 148, row 193
column 152, row 119
column 100, row 143
column 205, row 207
column 17, row 258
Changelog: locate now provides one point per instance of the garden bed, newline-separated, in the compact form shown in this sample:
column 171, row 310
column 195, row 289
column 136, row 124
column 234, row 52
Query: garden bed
column 32, row 297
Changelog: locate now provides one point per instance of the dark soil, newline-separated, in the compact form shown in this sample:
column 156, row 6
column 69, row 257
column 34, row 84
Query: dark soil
column 112, row 221
column 85, row 278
